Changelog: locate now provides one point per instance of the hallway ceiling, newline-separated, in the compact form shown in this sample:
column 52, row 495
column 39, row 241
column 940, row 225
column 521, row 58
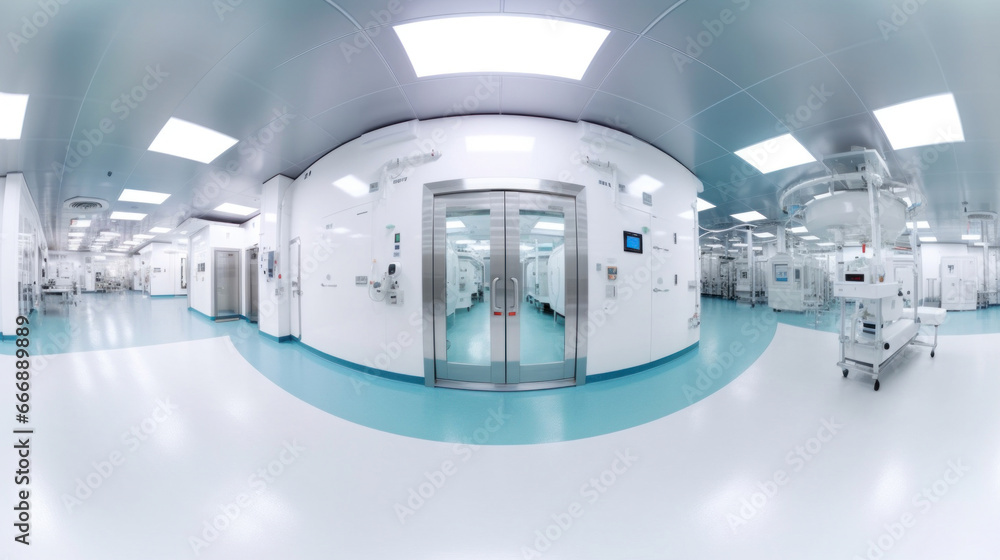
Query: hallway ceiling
column 293, row 80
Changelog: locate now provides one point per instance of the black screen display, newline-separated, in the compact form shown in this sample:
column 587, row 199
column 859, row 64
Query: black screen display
column 633, row 242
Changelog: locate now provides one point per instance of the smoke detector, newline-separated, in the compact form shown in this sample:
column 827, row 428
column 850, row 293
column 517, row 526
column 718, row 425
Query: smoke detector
column 86, row 204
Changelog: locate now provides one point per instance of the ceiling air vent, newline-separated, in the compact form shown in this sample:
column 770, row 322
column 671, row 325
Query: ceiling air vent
column 86, row 205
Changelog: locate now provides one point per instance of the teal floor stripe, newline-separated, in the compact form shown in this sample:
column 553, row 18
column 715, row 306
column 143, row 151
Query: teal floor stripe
column 733, row 337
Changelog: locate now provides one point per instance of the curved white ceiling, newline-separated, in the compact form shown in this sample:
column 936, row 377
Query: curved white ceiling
column 293, row 80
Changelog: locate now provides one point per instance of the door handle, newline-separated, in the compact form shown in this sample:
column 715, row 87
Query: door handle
column 493, row 297
column 517, row 297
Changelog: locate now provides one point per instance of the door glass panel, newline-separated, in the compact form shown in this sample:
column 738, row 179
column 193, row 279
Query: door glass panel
column 467, row 289
column 543, row 298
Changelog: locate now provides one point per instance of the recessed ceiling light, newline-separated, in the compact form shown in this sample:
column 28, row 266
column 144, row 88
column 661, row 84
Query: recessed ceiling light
column 142, row 236
column 191, row 141
column 928, row 239
column 230, row 208
column 751, row 216
column 455, row 224
column 821, row 196
column 159, row 230
column 109, row 234
column 775, row 154
column 739, row 244
column 800, row 229
column 146, row 197
column 130, row 243
column 809, row 238
column 919, row 224
column 704, row 205
column 922, row 122
column 131, row 216
column 499, row 143
column 550, row 226
column 499, row 44
column 826, row 244
column 971, row 237
column 78, row 223
column 12, row 109
column 352, row 186
column 75, row 234
column 764, row 235
column 645, row 183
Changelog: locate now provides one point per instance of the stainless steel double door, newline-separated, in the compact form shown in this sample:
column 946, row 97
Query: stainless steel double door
column 497, row 326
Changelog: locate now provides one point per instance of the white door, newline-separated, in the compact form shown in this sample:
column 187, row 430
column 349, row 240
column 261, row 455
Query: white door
column 295, row 276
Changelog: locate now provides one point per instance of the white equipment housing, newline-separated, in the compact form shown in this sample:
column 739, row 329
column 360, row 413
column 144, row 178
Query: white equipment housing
column 859, row 202
column 796, row 283
column 959, row 283
column 536, row 277
column 557, row 280
column 470, row 280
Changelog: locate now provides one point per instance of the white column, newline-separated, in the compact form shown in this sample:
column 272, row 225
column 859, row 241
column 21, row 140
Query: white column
column 9, row 226
column 274, row 306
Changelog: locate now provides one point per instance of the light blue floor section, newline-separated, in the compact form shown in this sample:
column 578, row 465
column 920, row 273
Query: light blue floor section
column 543, row 340
column 732, row 337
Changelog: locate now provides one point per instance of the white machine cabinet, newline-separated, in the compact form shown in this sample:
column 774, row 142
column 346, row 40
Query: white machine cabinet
column 959, row 283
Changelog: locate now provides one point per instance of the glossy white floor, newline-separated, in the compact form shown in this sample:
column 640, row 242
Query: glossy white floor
column 184, row 451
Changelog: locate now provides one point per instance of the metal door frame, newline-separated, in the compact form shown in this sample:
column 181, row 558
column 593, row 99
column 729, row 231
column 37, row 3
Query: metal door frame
column 215, row 279
column 252, row 274
column 295, row 277
column 576, row 339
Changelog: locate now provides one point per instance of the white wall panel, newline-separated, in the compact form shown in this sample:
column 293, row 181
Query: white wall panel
column 389, row 338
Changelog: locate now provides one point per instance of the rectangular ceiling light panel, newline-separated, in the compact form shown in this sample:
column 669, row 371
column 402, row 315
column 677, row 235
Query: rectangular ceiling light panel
column 776, row 154
column 191, row 141
column 159, row 230
column 752, row 216
column 12, row 109
column 145, row 197
column 230, row 208
column 704, row 205
column 922, row 122
column 131, row 216
column 500, row 44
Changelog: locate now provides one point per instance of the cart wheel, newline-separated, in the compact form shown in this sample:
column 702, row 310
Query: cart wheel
column 845, row 372
column 932, row 353
column 876, row 384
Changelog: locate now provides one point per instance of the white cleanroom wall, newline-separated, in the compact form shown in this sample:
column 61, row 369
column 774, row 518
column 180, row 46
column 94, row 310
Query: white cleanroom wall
column 344, row 225
column 22, row 245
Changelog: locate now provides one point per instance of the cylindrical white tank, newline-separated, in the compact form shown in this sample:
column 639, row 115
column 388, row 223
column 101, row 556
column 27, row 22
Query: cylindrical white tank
column 848, row 213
